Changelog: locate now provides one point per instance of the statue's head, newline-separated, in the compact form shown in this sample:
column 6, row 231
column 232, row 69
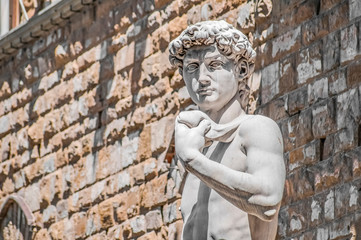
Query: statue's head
column 219, row 49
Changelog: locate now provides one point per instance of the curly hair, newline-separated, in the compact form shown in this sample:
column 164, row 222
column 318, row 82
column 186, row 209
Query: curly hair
column 230, row 42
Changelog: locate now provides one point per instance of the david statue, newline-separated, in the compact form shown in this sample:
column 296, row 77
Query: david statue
column 234, row 160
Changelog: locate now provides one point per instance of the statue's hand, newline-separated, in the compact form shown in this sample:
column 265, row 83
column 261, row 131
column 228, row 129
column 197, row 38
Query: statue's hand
column 189, row 141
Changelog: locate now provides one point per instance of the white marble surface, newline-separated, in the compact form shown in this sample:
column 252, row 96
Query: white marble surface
column 234, row 160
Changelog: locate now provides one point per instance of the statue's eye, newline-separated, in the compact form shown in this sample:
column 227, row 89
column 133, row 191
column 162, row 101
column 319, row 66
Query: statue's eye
column 192, row 67
column 215, row 64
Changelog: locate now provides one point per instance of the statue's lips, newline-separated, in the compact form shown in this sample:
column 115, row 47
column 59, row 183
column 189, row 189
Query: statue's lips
column 205, row 91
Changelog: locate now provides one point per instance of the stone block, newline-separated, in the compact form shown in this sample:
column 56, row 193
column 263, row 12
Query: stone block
column 348, row 108
column 329, row 206
column 297, row 100
column 300, row 127
column 175, row 231
column 342, row 198
column 32, row 196
column 161, row 134
column 353, row 74
column 49, row 81
column 340, row 229
column 109, row 160
column 70, row 69
column 87, row 58
column 51, row 188
column 118, row 41
column 5, row 89
column 337, row 82
column 154, row 192
column 62, row 210
column 49, row 215
column 129, row 204
column 298, row 217
column 87, row 79
column 296, row 12
column 328, row 4
column 263, row 52
column 138, row 225
column 56, row 230
column 5, row 125
column 299, row 185
column 106, row 213
column 318, row 91
column 286, row 43
column 275, row 109
column 309, row 63
column 129, row 149
column 124, row 57
column 287, row 74
column 315, row 29
column 171, row 212
column 19, row 179
column 115, row 232
column 97, row 191
column 150, row 169
column 345, row 139
column 149, row 236
column 79, row 221
column 355, row 9
column 305, row 155
column 63, row 93
column 323, row 118
column 317, row 209
column 177, row 25
column 322, row 233
column 331, row 51
column 337, row 17
column 8, row 186
column 153, row 220
column 348, row 44
column 270, row 82
column 43, row 234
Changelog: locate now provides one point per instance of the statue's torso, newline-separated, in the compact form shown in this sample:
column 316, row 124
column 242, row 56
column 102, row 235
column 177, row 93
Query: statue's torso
column 206, row 214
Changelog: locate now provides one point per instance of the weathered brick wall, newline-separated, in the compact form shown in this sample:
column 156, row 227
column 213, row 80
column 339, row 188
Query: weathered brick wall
column 310, row 83
column 87, row 111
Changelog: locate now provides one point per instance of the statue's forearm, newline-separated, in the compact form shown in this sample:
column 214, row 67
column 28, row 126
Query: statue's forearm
column 237, row 187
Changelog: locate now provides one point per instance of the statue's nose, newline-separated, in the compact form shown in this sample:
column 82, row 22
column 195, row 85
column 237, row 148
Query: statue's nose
column 204, row 77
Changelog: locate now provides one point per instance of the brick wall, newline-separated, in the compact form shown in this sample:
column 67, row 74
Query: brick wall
column 87, row 111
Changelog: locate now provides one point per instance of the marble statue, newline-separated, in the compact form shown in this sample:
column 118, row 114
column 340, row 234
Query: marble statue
column 234, row 160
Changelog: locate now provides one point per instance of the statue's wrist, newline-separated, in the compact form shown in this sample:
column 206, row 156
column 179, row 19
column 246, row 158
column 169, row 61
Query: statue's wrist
column 189, row 154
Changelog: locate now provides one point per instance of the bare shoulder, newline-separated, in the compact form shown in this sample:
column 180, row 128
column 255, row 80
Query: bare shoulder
column 261, row 132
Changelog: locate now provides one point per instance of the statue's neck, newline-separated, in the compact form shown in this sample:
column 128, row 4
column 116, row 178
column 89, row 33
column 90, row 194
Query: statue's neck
column 228, row 113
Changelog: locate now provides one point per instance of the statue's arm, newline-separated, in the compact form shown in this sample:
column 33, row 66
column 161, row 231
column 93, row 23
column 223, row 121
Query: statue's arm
column 257, row 191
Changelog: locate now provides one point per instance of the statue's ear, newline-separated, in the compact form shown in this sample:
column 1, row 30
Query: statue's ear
column 243, row 68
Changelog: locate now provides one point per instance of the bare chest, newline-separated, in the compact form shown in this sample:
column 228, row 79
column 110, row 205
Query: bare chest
column 231, row 155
